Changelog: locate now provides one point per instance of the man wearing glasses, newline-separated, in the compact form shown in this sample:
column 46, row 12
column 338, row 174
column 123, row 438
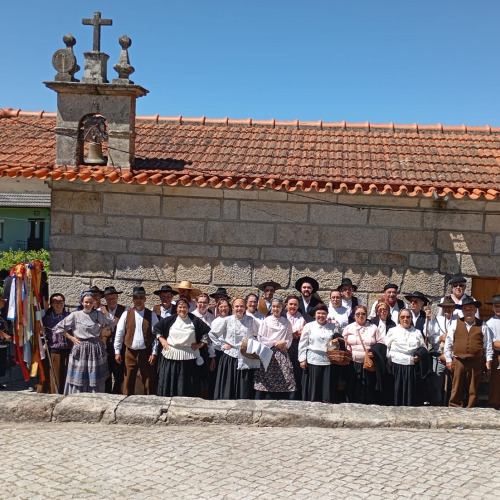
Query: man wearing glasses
column 458, row 284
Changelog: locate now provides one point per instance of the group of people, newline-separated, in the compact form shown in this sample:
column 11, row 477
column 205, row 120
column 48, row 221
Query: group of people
column 200, row 345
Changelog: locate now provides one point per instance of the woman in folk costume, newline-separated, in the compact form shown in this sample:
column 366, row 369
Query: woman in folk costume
column 402, row 342
column 59, row 347
column 181, row 336
column 275, row 332
column 235, row 373
column 382, row 318
column 320, row 379
column 298, row 322
column 223, row 308
column 360, row 336
column 88, row 362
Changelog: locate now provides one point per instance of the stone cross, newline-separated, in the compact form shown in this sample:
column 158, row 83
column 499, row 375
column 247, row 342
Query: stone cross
column 97, row 22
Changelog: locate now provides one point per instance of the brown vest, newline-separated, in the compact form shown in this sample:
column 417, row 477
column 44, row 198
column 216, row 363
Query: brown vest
column 262, row 307
column 468, row 344
column 146, row 328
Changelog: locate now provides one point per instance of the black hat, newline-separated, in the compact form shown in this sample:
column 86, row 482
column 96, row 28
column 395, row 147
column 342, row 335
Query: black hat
column 109, row 290
column 347, row 281
column 307, row 279
column 275, row 285
column 470, row 300
column 390, row 285
column 319, row 307
column 494, row 300
column 457, row 278
column 95, row 289
column 166, row 288
column 139, row 291
column 418, row 295
column 220, row 293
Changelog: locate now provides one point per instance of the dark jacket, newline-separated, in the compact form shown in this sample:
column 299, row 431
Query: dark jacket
column 307, row 313
column 389, row 322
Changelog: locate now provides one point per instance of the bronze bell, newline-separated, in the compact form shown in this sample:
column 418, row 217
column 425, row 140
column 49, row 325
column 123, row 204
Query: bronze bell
column 94, row 156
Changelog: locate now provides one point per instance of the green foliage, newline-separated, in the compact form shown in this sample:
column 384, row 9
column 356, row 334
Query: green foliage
column 9, row 258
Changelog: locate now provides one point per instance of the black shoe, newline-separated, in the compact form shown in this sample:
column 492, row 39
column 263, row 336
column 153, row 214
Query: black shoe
column 3, row 387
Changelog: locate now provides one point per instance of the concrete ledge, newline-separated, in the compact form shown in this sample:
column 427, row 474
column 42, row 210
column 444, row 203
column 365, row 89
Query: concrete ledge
column 153, row 410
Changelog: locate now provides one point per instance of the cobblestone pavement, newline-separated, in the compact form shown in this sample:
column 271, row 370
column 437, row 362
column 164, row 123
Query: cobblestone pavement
column 39, row 461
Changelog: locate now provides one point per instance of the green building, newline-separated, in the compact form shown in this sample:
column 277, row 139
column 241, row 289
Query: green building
column 24, row 220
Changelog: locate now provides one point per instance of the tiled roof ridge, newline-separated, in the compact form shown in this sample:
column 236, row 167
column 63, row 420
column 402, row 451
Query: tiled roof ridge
column 273, row 123
column 114, row 175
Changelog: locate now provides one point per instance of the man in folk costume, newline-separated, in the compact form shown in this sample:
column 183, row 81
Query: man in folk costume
column 437, row 331
column 135, row 330
column 466, row 348
column 166, row 308
column 115, row 311
column 349, row 301
column 390, row 297
column 458, row 285
column 419, row 316
column 494, row 324
column 189, row 292
column 269, row 288
column 307, row 287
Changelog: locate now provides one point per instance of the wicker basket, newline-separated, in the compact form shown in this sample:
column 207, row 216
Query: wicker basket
column 243, row 349
column 336, row 352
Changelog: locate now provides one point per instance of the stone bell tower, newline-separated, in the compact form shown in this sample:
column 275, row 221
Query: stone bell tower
column 95, row 111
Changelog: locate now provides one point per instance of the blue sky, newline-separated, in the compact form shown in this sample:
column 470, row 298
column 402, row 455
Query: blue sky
column 426, row 61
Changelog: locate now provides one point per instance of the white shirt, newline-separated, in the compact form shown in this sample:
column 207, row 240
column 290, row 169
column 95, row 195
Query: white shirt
column 256, row 315
column 494, row 324
column 348, row 305
column 438, row 326
column 312, row 343
column 402, row 343
column 339, row 315
column 138, row 341
column 207, row 318
column 487, row 341
column 165, row 313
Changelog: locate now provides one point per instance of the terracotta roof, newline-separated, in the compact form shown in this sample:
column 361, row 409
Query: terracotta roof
column 341, row 157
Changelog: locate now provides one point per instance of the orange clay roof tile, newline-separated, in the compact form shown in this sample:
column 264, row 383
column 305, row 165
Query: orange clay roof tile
column 290, row 155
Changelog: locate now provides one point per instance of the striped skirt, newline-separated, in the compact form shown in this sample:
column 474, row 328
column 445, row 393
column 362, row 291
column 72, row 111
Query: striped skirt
column 87, row 367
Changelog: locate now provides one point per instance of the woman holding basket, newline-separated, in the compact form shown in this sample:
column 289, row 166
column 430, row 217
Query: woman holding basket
column 320, row 377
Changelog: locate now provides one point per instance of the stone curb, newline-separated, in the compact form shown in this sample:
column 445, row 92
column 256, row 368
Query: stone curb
column 153, row 410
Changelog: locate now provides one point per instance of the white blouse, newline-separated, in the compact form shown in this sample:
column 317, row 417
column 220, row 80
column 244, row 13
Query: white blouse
column 233, row 330
column 273, row 330
column 402, row 343
column 180, row 337
column 312, row 343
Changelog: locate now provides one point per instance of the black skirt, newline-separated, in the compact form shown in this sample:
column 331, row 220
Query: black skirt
column 320, row 383
column 405, row 381
column 232, row 383
column 293, row 352
column 361, row 385
column 178, row 378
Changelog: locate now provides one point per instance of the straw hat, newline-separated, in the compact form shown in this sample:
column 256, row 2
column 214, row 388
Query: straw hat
column 187, row 285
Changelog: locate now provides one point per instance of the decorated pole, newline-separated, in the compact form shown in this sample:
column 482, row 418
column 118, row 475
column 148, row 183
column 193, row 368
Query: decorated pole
column 25, row 312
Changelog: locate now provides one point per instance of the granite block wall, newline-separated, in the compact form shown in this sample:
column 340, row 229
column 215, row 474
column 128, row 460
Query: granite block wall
column 128, row 235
